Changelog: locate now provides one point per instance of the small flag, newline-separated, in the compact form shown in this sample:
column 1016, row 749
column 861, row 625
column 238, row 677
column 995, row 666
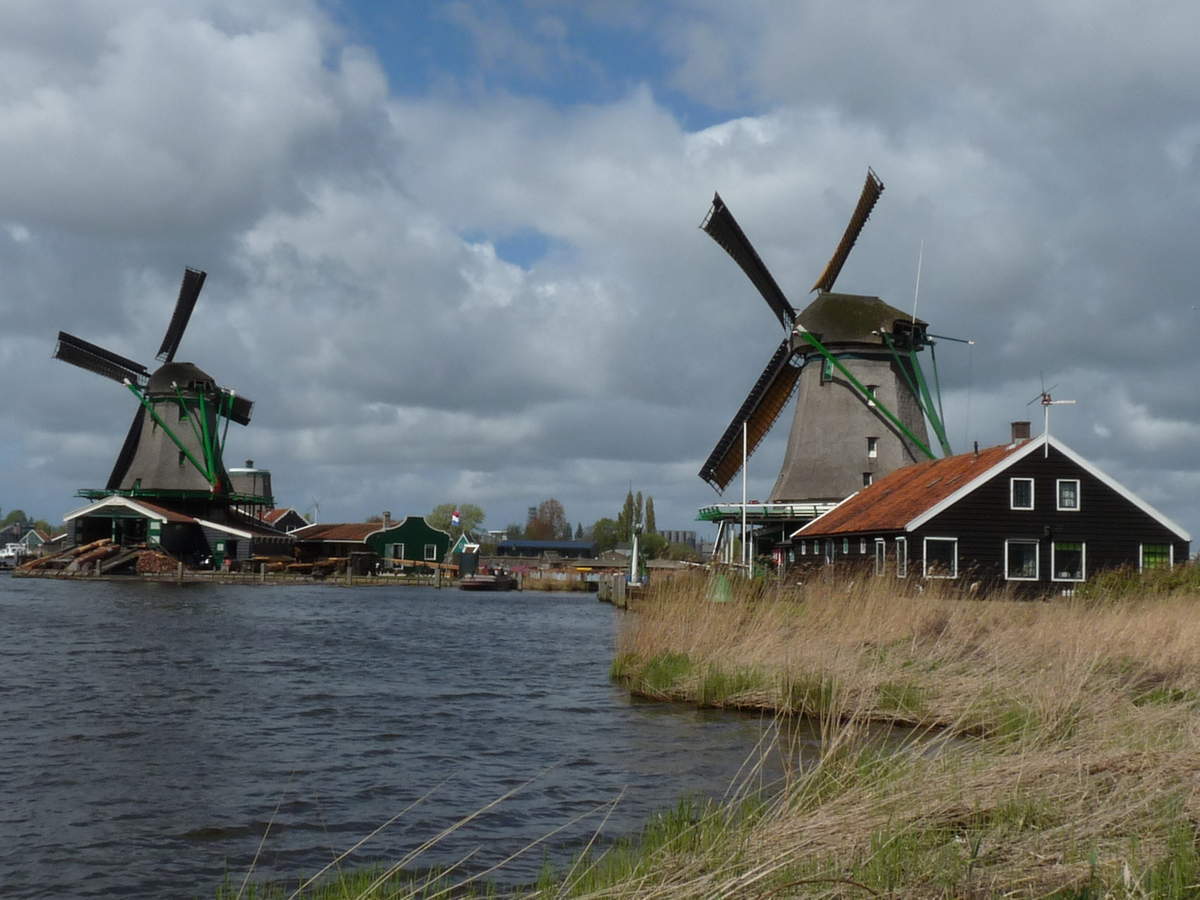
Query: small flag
column 455, row 517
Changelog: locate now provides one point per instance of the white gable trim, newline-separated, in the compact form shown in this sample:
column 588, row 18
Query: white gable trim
column 800, row 531
column 236, row 532
column 1070, row 454
column 1120, row 489
column 115, row 501
column 976, row 482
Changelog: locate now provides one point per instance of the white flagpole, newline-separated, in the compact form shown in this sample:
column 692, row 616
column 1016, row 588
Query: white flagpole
column 745, row 467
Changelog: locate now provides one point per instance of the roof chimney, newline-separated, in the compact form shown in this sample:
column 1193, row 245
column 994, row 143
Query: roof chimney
column 387, row 517
column 1020, row 432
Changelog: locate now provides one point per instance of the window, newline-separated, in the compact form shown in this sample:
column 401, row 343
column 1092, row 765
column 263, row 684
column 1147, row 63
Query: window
column 871, row 389
column 880, row 556
column 1020, row 493
column 828, row 551
column 804, row 548
column 867, row 479
column 827, row 371
column 862, row 546
column 1155, row 556
column 1067, row 561
column 901, row 557
column 182, row 458
column 872, row 447
column 431, row 552
column 1068, row 493
column 845, row 546
column 941, row 557
column 1021, row 560
column 397, row 551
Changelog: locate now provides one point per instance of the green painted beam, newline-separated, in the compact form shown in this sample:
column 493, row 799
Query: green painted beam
column 862, row 389
column 149, row 406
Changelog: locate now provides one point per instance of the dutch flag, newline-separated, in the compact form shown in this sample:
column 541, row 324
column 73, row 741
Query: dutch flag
column 455, row 517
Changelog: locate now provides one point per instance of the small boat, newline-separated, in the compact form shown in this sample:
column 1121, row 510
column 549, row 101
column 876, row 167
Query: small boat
column 497, row 582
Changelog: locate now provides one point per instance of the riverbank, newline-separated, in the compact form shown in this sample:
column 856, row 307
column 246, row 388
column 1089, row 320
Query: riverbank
column 1056, row 749
column 1067, row 733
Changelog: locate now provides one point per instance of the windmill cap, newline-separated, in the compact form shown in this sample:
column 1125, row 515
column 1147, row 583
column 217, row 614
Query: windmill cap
column 184, row 375
column 852, row 317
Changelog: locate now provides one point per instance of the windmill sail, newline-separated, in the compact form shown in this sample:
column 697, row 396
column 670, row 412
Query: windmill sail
column 723, row 228
column 767, row 399
column 189, row 292
column 866, row 202
column 240, row 410
column 87, row 355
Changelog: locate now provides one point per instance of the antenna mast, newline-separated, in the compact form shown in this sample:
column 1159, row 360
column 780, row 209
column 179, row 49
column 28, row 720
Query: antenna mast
column 1047, row 402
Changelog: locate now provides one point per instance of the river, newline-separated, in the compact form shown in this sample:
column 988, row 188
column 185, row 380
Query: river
column 152, row 732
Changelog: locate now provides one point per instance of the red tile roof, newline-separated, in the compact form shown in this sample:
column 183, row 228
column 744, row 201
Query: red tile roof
column 343, row 531
column 896, row 499
column 271, row 516
column 168, row 514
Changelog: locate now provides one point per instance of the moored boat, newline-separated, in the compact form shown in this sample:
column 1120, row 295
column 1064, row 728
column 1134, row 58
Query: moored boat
column 495, row 582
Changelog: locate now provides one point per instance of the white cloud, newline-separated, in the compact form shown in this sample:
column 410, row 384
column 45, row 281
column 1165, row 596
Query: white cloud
column 359, row 291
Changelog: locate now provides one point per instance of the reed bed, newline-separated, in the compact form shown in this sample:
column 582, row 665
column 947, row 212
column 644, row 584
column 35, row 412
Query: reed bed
column 1051, row 749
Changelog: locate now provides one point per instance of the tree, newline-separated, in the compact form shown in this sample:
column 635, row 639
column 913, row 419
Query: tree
column 637, row 510
column 548, row 523
column 470, row 517
column 652, row 546
column 625, row 519
column 17, row 515
column 513, row 531
column 651, row 525
column 682, row 552
column 606, row 534
column 579, row 531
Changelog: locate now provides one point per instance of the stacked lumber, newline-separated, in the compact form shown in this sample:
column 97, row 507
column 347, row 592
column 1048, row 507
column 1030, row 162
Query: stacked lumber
column 155, row 562
column 101, row 549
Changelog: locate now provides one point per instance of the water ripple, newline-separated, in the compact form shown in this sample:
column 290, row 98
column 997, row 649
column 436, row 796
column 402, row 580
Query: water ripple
column 153, row 733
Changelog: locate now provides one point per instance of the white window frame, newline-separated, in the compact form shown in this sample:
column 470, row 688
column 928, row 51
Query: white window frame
column 1058, row 483
column 1082, row 562
column 868, row 479
column 1170, row 554
column 845, row 546
column 872, row 448
column 1012, row 489
column 880, row 556
column 431, row 553
column 804, row 548
column 901, row 557
column 925, row 556
column 1037, row 559
column 829, row 551
column 397, row 551
column 862, row 546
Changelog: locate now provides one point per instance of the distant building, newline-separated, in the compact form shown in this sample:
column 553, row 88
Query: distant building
column 411, row 542
column 687, row 538
column 535, row 549
column 284, row 518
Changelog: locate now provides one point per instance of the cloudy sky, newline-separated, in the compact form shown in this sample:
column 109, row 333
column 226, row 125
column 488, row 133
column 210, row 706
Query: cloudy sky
column 452, row 247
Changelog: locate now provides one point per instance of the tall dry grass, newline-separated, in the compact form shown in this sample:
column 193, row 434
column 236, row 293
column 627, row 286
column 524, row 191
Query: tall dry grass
column 1058, row 743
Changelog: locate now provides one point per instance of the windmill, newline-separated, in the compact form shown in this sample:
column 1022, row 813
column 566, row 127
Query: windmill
column 173, row 450
column 863, row 398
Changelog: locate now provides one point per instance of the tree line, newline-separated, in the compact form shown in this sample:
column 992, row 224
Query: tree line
column 548, row 522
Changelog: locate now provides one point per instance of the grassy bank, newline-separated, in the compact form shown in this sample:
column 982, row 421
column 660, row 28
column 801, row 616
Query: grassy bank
column 1069, row 730
column 1056, row 748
